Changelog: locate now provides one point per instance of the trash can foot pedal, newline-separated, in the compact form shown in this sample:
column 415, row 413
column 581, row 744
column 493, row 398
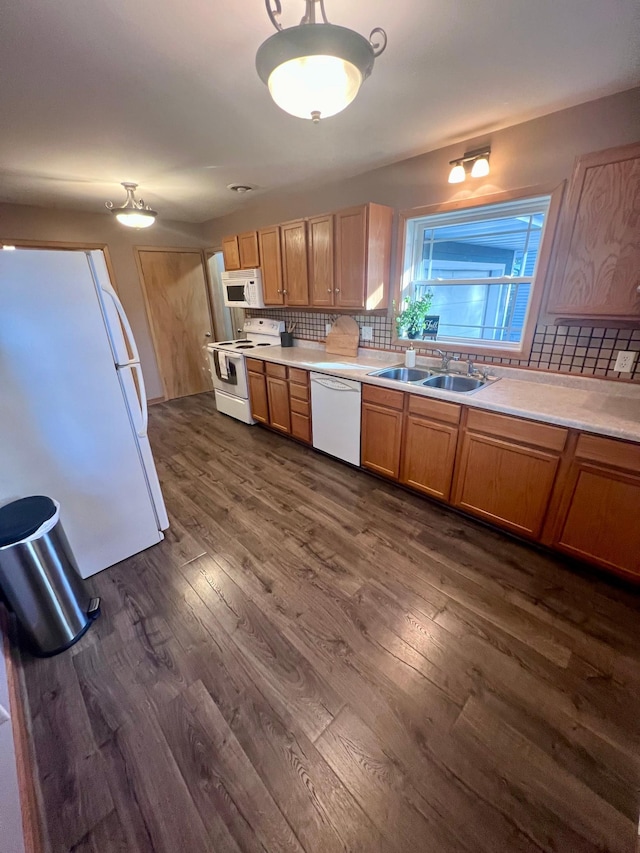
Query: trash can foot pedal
column 93, row 611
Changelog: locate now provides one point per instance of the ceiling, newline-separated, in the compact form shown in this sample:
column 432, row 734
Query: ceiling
column 165, row 92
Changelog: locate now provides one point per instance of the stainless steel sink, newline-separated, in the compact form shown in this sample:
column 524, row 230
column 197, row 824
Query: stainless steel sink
column 402, row 374
column 450, row 382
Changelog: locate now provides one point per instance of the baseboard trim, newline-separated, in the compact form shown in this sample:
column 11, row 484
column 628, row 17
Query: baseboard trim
column 155, row 400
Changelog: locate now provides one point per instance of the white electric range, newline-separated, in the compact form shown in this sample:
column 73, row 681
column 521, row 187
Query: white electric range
column 228, row 368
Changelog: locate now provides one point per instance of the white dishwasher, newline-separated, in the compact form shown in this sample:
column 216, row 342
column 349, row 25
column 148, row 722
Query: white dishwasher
column 335, row 414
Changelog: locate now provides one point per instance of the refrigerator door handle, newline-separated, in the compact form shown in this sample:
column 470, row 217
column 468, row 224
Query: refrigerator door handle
column 130, row 340
column 144, row 410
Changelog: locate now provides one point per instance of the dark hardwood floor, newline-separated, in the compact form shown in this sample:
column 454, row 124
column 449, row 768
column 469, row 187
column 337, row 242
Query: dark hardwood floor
column 315, row 660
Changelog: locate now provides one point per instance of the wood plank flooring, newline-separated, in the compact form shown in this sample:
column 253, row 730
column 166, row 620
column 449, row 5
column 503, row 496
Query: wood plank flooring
column 315, row 660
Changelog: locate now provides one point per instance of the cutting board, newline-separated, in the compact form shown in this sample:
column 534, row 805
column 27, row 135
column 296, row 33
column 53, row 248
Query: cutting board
column 343, row 337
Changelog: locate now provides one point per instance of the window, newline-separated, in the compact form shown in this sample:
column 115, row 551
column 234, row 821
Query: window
column 478, row 266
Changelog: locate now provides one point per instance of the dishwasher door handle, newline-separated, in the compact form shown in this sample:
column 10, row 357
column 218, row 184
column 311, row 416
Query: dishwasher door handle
column 335, row 385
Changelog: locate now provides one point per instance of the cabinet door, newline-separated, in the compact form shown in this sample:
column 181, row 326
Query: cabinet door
column 294, row 263
column 248, row 250
column 600, row 521
column 271, row 265
column 351, row 257
column 230, row 253
column 429, row 456
column 258, row 397
column 381, row 439
column 279, row 411
column 321, row 278
column 506, row 483
column 597, row 272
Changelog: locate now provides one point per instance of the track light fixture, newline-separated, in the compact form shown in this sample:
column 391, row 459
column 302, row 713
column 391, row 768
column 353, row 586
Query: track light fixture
column 134, row 214
column 315, row 70
column 475, row 162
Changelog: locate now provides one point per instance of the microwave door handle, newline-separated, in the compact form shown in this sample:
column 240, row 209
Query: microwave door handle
column 246, row 298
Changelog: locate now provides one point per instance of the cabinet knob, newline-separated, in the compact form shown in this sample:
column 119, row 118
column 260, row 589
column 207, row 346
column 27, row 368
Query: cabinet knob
column 337, row 290
column 329, row 290
column 638, row 289
column 279, row 291
column 285, row 291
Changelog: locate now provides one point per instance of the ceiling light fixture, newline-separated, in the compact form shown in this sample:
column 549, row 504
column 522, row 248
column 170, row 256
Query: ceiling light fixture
column 7, row 248
column 476, row 162
column 239, row 188
column 315, row 70
column 134, row 214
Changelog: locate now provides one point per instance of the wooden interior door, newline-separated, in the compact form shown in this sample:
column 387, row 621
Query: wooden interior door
column 321, row 276
column 175, row 290
column 294, row 262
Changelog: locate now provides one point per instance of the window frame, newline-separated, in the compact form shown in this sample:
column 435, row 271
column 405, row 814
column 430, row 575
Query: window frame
column 538, row 284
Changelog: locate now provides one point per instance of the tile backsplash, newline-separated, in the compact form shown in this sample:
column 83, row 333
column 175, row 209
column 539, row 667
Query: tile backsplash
column 563, row 349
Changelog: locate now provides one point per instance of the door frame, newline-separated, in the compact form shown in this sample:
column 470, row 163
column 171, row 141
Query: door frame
column 145, row 295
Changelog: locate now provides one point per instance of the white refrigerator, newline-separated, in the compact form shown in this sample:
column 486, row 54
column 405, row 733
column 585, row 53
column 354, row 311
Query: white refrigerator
column 73, row 409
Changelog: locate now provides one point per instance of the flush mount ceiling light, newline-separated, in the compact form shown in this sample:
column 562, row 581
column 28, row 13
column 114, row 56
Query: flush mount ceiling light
column 239, row 188
column 476, row 162
column 134, row 214
column 315, row 70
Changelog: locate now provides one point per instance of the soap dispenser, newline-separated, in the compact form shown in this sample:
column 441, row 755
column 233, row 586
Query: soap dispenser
column 410, row 357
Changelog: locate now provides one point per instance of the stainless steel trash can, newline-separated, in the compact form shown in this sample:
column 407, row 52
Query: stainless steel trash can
column 39, row 576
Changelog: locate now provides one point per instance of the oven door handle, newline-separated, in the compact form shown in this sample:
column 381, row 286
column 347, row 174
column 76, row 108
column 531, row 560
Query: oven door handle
column 232, row 378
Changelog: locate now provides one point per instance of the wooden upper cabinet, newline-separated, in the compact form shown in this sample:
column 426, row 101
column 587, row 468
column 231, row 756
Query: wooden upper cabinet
column 321, row 260
column 506, row 469
column 295, row 275
column 248, row 250
column 230, row 253
column 597, row 269
column 363, row 254
column 271, row 264
column 597, row 518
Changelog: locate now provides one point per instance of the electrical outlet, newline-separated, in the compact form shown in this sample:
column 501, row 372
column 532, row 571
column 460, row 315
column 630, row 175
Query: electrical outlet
column 366, row 333
column 625, row 361
column 327, row 328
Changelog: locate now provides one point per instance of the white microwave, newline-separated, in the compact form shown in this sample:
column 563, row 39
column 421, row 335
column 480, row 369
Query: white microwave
column 243, row 289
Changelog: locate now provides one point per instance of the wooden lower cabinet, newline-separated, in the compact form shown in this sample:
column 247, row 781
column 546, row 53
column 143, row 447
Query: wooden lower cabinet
column 279, row 410
column 429, row 445
column 258, row 397
column 381, row 439
column 597, row 518
column 506, row 470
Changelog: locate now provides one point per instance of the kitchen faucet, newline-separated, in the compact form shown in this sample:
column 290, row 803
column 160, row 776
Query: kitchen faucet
column 446, row 359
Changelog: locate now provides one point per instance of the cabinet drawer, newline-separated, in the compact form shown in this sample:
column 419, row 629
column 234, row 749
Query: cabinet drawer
column 438, row 410
column 255, row 366
column 277, row 370
column 517, row 429
column 382, row 396
column 301, row 377
column 301, row 427
column 608, row 451
column 302, row 407
column 299, row 392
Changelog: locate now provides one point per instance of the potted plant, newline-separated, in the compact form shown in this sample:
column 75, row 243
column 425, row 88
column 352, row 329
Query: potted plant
column 411, row 320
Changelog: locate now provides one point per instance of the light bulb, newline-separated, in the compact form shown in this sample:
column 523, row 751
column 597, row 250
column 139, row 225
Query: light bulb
column 457, row 174
column 135, row 218
column 9, row 248
column 480, row 168
column 314, row 86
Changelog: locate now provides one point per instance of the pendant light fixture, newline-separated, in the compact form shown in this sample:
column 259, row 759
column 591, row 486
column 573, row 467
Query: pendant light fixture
column 314, row 70
column 476, row 162
column 133, row 214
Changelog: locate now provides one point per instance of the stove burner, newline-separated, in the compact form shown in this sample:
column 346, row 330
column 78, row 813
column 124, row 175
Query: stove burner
column 225, row 343
column 245, row 346
column 263, row 345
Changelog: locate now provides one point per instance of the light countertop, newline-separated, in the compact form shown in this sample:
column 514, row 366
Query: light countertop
column 594, row 405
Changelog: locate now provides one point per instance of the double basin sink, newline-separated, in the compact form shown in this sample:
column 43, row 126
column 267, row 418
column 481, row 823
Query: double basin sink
column 430, row 379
